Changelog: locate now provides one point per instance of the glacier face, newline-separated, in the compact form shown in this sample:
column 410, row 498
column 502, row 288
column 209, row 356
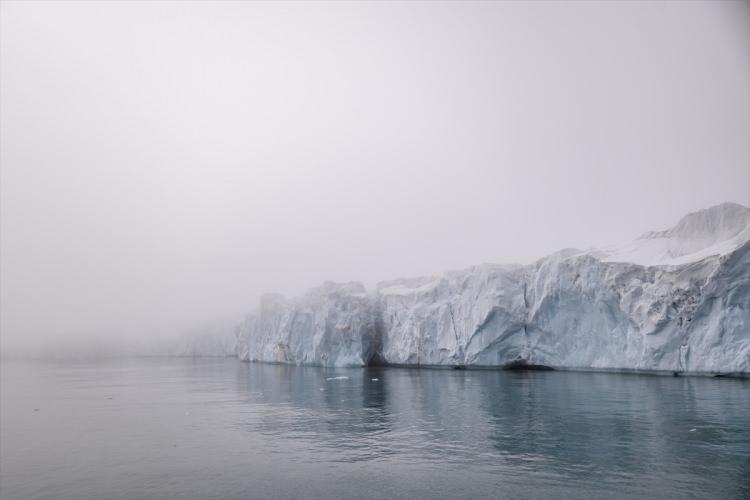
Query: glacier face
column 333, row 325
column 676, row 300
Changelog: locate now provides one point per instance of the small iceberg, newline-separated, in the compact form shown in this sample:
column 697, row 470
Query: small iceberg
column 375, row 379
column 343, row 377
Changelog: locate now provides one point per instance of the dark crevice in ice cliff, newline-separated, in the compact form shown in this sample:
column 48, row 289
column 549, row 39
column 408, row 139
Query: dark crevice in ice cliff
column 460, row 355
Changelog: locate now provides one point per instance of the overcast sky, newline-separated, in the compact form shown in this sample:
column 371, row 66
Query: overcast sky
column 164, row 164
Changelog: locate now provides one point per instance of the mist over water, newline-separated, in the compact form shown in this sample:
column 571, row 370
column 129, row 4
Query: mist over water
column 219, row 428
column 164, row 164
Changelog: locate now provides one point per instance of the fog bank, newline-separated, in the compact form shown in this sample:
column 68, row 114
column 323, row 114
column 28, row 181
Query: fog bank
column 164, row 164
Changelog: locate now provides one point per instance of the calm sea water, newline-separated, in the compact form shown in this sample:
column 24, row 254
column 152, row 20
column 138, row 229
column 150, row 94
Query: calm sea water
column 220, row 428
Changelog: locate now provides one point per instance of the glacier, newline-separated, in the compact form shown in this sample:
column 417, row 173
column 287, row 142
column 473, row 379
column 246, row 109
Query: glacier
column 333, row 325
column 676, row 300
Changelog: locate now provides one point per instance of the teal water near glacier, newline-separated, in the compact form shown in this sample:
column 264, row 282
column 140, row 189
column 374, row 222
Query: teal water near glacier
column 219, row 428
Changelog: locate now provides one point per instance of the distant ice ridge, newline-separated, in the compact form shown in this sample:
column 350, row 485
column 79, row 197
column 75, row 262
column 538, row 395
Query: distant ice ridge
column 676, row 300
column 212, row 341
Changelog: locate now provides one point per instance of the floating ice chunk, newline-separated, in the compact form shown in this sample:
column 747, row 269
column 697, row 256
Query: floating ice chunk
column 375, row 379
column 343, row 377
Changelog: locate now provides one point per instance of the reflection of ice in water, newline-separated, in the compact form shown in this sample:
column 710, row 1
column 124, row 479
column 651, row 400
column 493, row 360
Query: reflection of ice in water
column 537, row 432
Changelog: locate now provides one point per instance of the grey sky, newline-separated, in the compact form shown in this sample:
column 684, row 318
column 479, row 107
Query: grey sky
column 167, row 163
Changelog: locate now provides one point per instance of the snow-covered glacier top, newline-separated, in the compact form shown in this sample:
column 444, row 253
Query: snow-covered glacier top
column 676, row 300
column 715, row 231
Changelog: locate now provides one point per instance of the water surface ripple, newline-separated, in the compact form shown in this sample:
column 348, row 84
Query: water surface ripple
column 219, row 428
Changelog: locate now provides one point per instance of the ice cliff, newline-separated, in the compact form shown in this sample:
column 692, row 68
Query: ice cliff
column 675, row 300
column 333, row 325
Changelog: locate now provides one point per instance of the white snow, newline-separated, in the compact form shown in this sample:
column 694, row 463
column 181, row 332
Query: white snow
column 402, row 288
column 699, row 235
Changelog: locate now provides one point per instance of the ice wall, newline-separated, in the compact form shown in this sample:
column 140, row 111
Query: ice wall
column 333, row 325
column 676, row 300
